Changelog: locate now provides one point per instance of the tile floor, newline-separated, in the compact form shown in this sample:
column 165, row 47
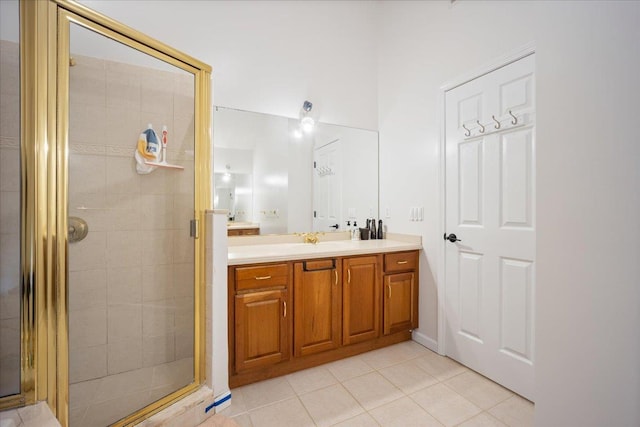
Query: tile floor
column 402, row 385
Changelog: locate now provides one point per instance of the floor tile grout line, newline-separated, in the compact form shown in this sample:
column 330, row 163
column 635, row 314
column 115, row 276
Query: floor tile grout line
column 299, row 395
column 348, row 392
column 441, row 380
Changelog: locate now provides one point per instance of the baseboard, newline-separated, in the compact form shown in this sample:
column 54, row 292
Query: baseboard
column 424, row 340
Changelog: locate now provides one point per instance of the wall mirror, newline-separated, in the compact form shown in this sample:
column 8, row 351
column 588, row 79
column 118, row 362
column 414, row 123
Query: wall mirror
column 271, row 178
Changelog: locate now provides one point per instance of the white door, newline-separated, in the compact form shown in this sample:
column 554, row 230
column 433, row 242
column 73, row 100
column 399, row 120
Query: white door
column 327, row 162
column 490, row 207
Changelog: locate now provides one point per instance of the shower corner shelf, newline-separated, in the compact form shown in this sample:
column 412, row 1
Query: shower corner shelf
column 164, row 165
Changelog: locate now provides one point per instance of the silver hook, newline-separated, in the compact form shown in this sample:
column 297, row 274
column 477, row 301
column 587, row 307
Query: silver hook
column 497, row 125
column 481, row 127
column 515, row 119
column 468, row 132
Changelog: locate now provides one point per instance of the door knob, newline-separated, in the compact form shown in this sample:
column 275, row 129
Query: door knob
column 452, row 238
column 334, row 226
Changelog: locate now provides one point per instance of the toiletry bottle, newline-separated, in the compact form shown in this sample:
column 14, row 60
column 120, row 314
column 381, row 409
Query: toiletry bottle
column 368, row 227
column 380, row 236
column 374, row 235
column 349, row 227
column 355, row 233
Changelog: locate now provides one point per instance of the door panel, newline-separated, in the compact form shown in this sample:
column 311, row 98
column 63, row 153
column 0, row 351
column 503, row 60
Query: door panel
column 399, row 310
column 327, row 200
column 317, row 305
column 261, row 329
column 490, row 206
column 361, row 299
column 470, row 192
column 470, row 300
column 516, row 280
column 516, row 187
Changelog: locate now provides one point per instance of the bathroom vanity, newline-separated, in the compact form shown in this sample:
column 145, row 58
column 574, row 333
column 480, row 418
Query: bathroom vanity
column 243, row 229
column 297, row 305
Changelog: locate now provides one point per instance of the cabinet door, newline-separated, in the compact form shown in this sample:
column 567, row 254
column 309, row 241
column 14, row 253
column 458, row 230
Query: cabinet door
column 261, row 329
column 361, row 299
column 317, row 311
column 400, row 302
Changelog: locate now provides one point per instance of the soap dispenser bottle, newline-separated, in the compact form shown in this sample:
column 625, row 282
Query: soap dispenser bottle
column 374, row 235
column 355, row 233
column 380, row 235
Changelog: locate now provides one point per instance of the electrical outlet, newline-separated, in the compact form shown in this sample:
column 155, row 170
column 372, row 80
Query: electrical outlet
column 387, row 214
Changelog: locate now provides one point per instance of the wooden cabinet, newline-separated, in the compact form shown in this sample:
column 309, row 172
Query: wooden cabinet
column 317, row 306
column 287, row 316
column 249, row 231
column 361, row 299
column 400, row 292
column 261, row 330
column 260, row 315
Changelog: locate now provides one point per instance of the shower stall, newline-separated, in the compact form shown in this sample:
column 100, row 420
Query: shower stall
column 110, row 215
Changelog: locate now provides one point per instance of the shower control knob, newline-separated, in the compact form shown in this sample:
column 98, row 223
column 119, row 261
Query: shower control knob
column 78, row 229
column 452, row 238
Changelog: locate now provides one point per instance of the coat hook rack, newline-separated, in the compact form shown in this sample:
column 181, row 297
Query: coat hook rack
column 497, row 125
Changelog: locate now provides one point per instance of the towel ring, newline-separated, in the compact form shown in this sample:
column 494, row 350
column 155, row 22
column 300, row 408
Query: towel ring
column 515, row 119
column 468, row 132
column 497, row 125
column 481, row 127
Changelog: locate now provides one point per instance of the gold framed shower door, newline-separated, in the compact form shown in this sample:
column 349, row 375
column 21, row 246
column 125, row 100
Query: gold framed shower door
column 45, row 153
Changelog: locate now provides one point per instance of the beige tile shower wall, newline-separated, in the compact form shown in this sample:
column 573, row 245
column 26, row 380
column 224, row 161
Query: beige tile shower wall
column 9, row 218
column 131, row 279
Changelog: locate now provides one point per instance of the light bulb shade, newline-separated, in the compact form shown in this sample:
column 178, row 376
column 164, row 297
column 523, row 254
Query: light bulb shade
column 307, row 124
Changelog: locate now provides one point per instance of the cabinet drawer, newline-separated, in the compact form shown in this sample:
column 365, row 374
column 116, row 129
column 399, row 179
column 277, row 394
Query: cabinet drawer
column 262, row 276
column 400, row 261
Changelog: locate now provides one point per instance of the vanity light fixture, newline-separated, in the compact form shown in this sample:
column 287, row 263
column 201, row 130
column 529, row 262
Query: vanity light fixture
column 227, row 175
column 306, row 121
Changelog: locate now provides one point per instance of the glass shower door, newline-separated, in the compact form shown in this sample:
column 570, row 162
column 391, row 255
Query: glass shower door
column 10, row 291
column 130, row 253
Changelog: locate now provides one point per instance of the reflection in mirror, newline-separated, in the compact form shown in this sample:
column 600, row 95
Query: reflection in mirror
column 131, row 280
column 9, row 200
column 284, row 183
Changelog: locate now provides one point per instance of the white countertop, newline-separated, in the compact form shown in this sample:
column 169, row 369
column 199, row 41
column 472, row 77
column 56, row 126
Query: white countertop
column 251, row 254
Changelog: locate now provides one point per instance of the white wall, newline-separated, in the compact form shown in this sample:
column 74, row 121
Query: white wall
column 271, row 56
column 588, row 163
